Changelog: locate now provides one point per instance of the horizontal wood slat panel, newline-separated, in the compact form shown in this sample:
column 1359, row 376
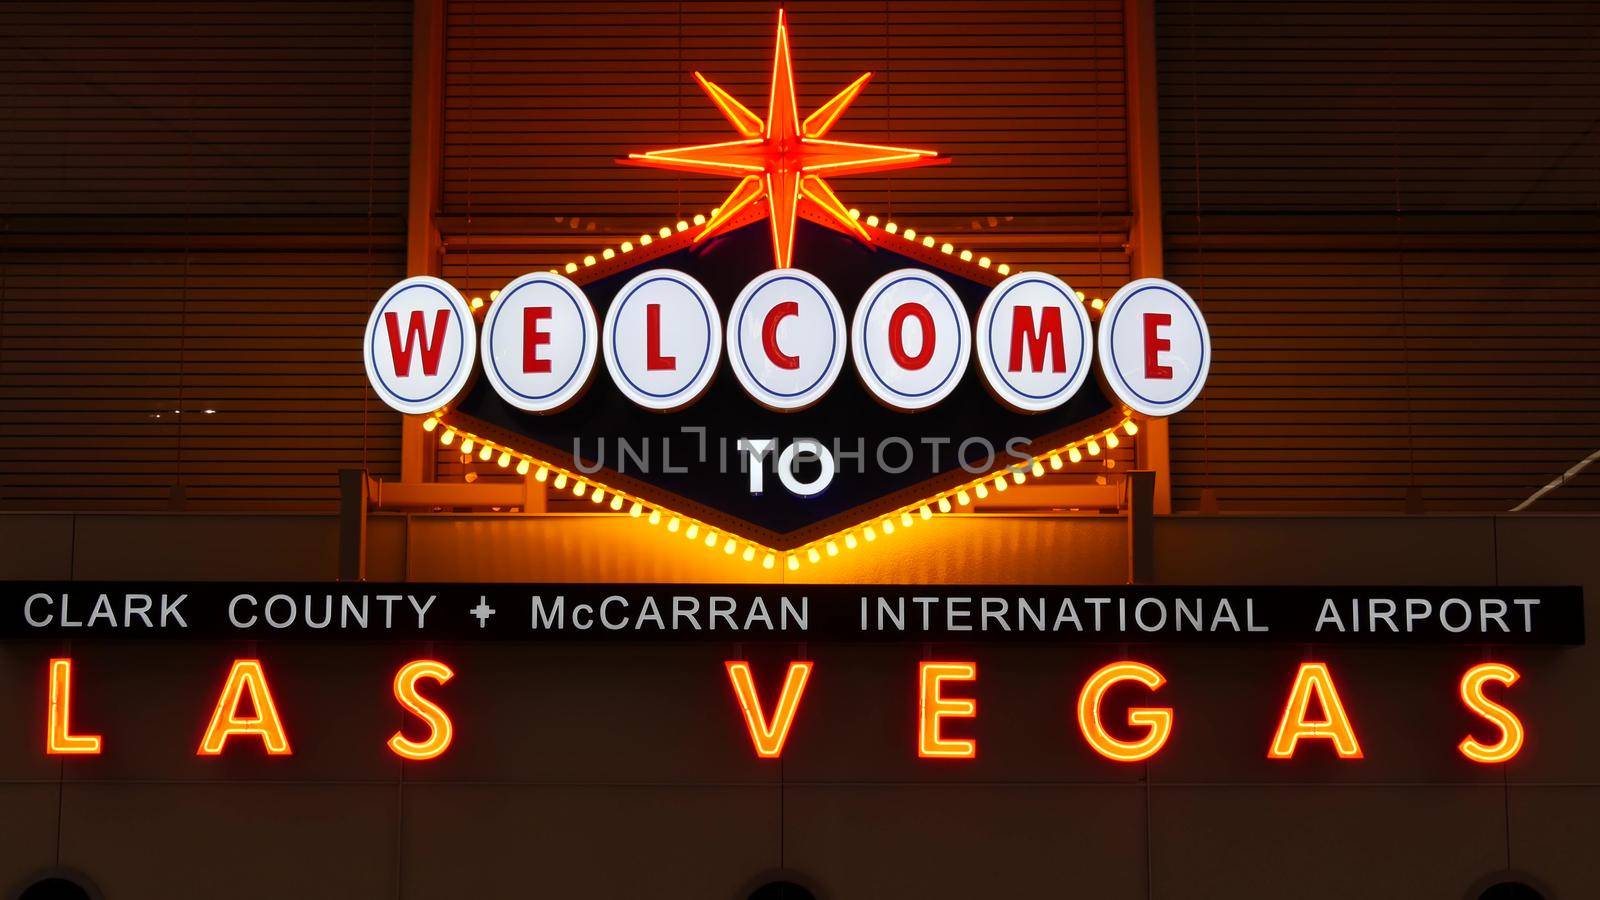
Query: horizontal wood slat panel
column 1343, row 377
column 201, row 202
column 1323, row 161
column 99, row 352
column 296, row 107
column 1271, row 106
column 543, row 97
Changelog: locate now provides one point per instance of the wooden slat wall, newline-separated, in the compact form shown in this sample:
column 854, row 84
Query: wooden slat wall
column 1338, row 106
column 1303, row 146
column 200, row 201
column 1333, row 390
column 258, row 350
column 248, row 107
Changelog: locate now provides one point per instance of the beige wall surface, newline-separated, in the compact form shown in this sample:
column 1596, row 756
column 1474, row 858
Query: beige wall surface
column 624, row 770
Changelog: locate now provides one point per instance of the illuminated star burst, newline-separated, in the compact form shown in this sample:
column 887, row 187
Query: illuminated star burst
column 782, row 159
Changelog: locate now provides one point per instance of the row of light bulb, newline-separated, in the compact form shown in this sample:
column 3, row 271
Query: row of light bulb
column 682, row 225
column 909, row 234
column 813, row 553
column 965, row 495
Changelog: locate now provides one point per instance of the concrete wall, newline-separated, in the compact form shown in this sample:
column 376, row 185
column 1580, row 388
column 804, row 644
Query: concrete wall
column 624, row 770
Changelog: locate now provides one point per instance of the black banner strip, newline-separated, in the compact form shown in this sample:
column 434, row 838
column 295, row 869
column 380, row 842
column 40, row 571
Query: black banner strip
column 256, row 610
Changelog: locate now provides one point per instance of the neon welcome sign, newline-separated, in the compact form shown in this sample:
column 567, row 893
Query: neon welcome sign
column 738, row 324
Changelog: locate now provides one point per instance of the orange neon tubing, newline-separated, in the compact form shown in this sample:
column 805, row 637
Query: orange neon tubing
column 1512, row 734
column 60, row 741
column 1314, row 679
column 747, row 123
column 1157, row 721
column 768, row 737
column 440, row 730
column 933, row 708
column 784, row 154
column 821, row 122
column 245, row 676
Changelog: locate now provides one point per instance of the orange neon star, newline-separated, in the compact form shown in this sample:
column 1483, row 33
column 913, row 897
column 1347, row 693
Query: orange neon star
column 783, row 159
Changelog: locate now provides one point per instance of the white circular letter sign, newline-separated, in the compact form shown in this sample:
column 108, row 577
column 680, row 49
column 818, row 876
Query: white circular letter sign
column 419, row 346
column 1154, row 347
column 1034, row 342
column 540, row 341
column 911, row 339
column 662, row 339
column 786, row 339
